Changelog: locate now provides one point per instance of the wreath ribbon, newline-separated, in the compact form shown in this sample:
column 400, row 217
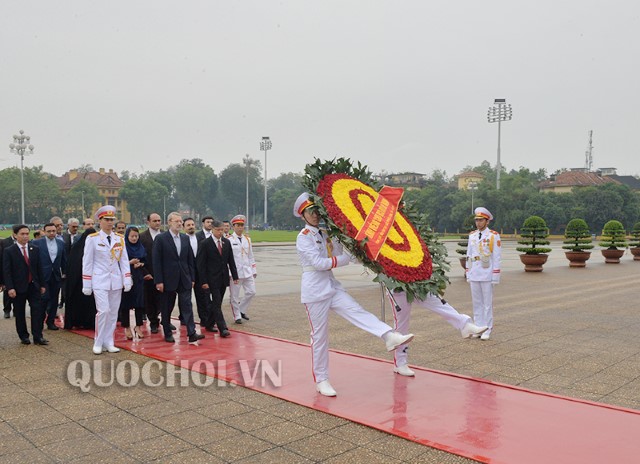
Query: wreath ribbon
column 380, row 219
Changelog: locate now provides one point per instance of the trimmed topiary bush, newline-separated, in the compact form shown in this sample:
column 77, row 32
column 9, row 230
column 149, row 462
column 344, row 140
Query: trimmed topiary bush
column 577, row 236
column 635, row 236
column 613, row 235
column 468, row 226
column 533, row 234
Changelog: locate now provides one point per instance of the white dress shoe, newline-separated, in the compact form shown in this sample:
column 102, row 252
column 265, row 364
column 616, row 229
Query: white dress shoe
column 404, row 370
column 112, row 349
column 393, row 340
column 471, row 329
column 325, row 388
column 485, row 336
column 97, row 350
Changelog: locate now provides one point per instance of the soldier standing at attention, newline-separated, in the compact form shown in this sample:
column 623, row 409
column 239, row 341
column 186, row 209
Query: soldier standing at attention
column 322, row 292
column 483, row 269
column 105, row 272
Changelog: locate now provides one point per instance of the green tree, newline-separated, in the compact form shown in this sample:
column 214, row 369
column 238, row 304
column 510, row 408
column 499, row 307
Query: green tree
column 82, row 193
column 233, row 185
column 144, row 196
column 196, row 185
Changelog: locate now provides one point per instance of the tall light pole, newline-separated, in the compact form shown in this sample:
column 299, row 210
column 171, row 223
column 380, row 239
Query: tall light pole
column 19, row 146
column 247, row 163
column 265, row 146
column 500, row 111
column 473, row 186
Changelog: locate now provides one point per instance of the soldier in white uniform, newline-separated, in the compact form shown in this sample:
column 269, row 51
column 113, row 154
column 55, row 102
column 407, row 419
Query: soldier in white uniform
column 105, row 272
column 321, row 292
column 483, row 268
column 246, row 265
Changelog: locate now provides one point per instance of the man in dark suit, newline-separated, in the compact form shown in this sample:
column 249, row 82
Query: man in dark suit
column 174, row 272
column 151, row 295
column 54, row 261
column 207, row 226
column 24, row 281
column 215, row 262
column 69, row 237
column 6, row 301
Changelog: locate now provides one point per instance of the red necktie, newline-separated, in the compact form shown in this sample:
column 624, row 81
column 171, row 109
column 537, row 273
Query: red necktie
column 220, row 247
column 26, row 260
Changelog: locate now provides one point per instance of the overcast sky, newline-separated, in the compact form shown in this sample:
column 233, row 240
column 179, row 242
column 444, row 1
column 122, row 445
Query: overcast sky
column 398, row 85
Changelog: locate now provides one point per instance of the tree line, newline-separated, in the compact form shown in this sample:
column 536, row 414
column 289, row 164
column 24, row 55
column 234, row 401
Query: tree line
column 194, row 186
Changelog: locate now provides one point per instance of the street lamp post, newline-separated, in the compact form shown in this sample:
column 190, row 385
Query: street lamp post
column 473, row 186
column 500, row 111
column 19, row 146
column 247, row 163
column 265, row 145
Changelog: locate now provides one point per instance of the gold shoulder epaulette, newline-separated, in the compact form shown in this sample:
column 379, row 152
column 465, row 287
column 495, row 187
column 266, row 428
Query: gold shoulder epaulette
column 95, row 234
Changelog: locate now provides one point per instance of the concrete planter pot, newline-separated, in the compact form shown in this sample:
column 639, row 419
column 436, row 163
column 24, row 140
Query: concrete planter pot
column 577, row 258
column 635, row 251
column 612, row 256
column 533, row 263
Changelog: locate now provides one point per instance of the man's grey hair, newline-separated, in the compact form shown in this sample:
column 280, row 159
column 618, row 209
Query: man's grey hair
column 217, row 223
column 55, row 218
column 73, row 221
column 172, row 214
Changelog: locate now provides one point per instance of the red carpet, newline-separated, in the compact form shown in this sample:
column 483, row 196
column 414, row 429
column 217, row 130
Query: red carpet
column 481, row 420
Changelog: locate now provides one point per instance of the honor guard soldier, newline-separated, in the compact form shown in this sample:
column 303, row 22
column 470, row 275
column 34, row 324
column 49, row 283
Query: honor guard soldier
column 105, row 272
column 322, row 292
column 246, row 266
column 483, row 268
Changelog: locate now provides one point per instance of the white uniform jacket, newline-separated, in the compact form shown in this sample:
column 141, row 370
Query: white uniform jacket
column 104, row 266
column 318, row 256
column 483, row 256
column 243, row 255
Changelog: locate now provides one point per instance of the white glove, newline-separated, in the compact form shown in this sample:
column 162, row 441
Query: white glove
column 86, row 291
column 127, row 288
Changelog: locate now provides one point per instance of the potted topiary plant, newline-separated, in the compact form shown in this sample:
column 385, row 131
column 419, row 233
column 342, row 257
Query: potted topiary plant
column 577, row 241
column 468, row 226
column 634, row 243
column 533, row 234
column 613, row 238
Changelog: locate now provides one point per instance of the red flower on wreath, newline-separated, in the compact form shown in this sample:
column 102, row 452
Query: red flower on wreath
column 404, row 255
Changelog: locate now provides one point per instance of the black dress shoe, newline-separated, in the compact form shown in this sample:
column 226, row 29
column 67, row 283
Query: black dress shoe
column 238, row 321
column 52, row 327
column 154, row 329
column 170, row 339
column 225, row 333
column 41, row 341
column 7, row 314
column 25, row 341
column 211, row 329
column 173, row 327
column 244, row 316
column 195, row 337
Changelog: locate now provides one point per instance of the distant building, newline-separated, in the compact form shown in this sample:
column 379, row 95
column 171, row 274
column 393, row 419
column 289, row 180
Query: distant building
column 108, row 184
column 404, row 179
column 566, row 181
column 467, row 178
column 632, row 182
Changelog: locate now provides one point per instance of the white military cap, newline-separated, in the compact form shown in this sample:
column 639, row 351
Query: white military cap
column 238, row 219
column 302, row 203
column 106, row 211
column 482, row 212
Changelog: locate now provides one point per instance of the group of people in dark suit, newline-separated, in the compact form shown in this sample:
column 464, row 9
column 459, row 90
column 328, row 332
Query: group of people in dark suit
column 169, row 265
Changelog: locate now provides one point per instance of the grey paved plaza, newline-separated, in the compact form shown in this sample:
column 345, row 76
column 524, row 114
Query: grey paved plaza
column 571, row 332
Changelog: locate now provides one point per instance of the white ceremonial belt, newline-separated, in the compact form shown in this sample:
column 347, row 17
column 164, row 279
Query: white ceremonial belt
column 474, row 258
column 308, row 269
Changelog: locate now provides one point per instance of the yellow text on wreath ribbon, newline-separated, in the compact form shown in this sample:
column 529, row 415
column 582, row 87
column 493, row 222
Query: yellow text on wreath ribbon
column 340, row 191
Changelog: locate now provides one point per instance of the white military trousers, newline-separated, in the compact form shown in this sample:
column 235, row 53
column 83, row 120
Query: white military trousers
column 482, row 299
column 240, row 304
column 344, row 305
column 432, row 303
column 107, row 305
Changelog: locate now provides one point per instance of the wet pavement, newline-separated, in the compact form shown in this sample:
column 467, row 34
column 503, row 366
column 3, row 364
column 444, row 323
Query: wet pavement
column 571, row 332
